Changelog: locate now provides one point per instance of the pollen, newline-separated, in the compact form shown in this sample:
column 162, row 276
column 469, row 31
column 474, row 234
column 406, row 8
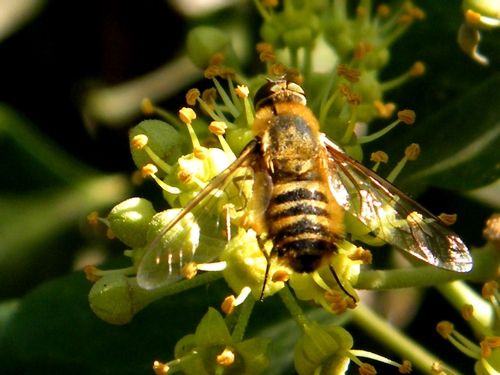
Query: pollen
column 405, row 19
column 412, row 152
column 189, row 270
column 280, row 275
column 147, row 107
column 192, row 95
column 91, row 273
column 352, row 75
column 467, row 312
column 209, row 95
column 212, row 71
column 445, row 328
column 242, row 91
column 93, row 218
column 417, row 69
column 407, row 116
column 160, row 368
column 264, row 47
column 362, row 255
column 488, row 344
column 448, row 219
column 384, row 10
column 351, row 97
column 362, row 49
column 267, row 56
column 228, row 73
column 200, row 152
column 226, row 358
column 492, row 229
column 187, row 115
column 217, row 58
column 149, row 170
column 472, row 18
column 367, row 369
column 489, row 289
column 270, row 3
column 184, row 176
column 227, row 305
column 139, row 141
column 217, row 127
column 277, row 70
column 338, row 302
column 437, row 368
column 379, row 157
column 384, row 110
column 110, row 234
column 405, row 367
column 136, row 178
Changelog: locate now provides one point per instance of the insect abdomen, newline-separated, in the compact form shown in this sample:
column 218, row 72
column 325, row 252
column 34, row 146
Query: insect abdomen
column 301, row 225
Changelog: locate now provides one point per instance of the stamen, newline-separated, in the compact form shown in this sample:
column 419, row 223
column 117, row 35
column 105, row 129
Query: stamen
column 192, row 96
column 160, row 368
column 411, row 153
column 407, row 116
column 384, row 110
column 150, row 170
column 226, row 358
column 227, row 305
column 378, row 157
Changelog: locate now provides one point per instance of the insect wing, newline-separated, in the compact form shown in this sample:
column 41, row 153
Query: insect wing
column 392, row 216
column 195, row 233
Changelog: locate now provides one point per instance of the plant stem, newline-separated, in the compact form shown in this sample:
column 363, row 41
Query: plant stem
column 291, row 304
column 241, row 325
column 391, row 337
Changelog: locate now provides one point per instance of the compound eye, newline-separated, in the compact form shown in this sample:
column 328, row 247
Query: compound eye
column 263, row 93
column 292, row 86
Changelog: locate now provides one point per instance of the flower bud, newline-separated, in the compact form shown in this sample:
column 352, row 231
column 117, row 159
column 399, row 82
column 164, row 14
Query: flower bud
column 204, row 42
column 116, row 298
column 321, row 348
column 163, row 140
column 129, row 219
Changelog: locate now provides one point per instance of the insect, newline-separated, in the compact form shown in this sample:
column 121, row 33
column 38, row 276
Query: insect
column 303, row 185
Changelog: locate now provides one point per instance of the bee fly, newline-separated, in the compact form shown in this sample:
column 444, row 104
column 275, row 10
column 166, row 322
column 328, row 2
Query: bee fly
column 303, row 185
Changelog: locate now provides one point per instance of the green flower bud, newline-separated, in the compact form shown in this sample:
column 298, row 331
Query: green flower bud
column 183, row 238
column 376, row 59
column 129, row 219
column 322, row 350
column 201, row 353
column 116, row 298
column 163, row 140
column 340, row 38
column 271, row 35
column 238, row 138
column 204, row 42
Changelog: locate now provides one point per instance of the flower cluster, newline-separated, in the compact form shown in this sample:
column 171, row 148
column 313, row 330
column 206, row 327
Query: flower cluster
column 188, row 155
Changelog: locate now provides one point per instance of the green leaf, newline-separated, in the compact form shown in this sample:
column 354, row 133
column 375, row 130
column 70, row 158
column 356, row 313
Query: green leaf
column 54, row 330
column 460, row 144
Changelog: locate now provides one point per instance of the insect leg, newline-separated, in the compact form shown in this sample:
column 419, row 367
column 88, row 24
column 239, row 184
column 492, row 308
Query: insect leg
column 335, row 276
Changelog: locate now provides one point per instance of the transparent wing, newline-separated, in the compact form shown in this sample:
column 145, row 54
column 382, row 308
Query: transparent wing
column 198, row 231
column 392, row 216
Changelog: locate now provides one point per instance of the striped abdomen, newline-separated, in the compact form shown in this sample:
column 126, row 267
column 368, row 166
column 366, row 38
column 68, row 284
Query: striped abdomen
column 302, row 223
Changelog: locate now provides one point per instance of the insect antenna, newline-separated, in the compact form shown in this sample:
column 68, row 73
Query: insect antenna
column 335, row 276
